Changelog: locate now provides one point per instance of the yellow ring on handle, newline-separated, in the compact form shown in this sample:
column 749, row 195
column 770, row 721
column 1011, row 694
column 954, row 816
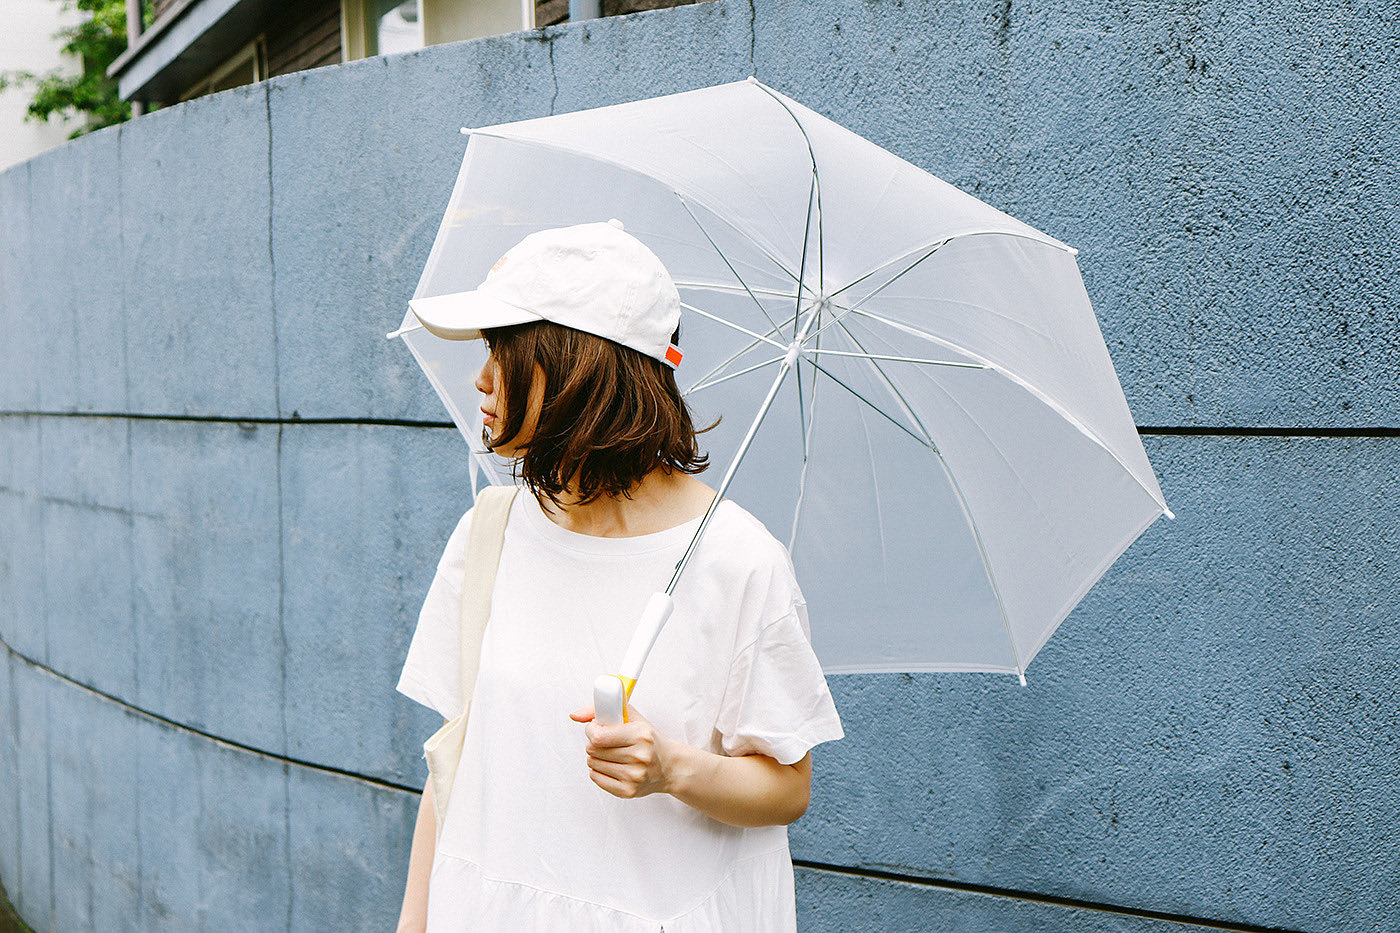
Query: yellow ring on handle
column 627, row 684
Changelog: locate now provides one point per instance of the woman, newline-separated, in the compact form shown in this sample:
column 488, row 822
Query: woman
column 677, row 819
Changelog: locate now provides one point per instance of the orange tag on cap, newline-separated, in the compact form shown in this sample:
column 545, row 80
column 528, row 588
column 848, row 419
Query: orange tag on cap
column 673, row 355
column 499, row 262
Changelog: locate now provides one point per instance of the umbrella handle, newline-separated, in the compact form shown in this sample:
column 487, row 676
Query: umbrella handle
column 610, row 691
column 610, row 699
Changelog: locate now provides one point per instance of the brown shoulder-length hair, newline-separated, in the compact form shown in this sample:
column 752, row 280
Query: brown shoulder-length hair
column 610, row 414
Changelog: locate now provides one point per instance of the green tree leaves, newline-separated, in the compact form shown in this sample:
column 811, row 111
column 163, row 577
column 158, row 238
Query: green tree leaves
column 98, row 40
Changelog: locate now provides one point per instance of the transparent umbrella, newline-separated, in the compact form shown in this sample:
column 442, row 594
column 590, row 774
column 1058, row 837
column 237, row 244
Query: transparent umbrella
column 916, row 382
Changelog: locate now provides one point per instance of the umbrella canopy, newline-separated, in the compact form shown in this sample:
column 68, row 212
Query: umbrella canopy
column 951, row 462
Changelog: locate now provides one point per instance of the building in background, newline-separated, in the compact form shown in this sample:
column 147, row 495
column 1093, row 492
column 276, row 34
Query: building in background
column 197, row 47
column 27, row 43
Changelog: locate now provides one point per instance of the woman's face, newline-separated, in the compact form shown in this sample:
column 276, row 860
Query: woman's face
column 489, row 384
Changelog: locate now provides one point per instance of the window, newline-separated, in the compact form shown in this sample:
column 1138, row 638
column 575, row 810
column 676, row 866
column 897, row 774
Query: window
column 247, row 66
column 398, row 27
column 383, row 27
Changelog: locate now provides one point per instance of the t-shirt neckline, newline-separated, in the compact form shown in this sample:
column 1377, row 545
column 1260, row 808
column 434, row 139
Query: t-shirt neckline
column 541, row 526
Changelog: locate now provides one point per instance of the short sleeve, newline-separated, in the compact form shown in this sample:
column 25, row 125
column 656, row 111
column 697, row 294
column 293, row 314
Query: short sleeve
column 432, row 672
column 776, row 701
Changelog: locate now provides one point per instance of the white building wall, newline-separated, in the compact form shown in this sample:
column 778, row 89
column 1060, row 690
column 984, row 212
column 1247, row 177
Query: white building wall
column 27, row 43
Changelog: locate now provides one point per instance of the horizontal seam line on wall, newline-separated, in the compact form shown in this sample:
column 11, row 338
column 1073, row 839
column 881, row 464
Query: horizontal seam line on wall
column 1032, row 896
column 1170, row 430
column 229, row 419
column 118, row 701
column 1251, row 431
column 850, row 871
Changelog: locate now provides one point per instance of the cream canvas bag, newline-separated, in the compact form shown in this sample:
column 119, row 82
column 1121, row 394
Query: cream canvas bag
column 485, row 535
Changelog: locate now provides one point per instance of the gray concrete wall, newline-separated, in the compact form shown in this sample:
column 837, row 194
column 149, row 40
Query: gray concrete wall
column 215, row 528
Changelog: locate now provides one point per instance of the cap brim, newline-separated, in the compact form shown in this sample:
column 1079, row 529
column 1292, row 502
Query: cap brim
column 464, row 315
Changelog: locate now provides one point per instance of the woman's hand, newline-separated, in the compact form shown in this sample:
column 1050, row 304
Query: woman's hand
column 626, row 760
column 634, row 760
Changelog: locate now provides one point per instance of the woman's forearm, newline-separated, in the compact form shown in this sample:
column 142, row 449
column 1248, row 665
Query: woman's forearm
column 632, row 759
column 743, row 790
column 413, row 918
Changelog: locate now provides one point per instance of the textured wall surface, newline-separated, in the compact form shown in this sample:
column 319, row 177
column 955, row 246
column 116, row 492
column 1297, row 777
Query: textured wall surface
column 220, row 507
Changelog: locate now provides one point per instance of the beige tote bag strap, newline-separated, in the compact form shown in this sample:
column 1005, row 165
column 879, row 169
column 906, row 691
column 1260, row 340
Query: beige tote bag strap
column 485, row 536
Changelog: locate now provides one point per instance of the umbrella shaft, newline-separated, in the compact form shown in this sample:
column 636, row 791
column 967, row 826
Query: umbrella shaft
column 733, row 468
column 788, row 362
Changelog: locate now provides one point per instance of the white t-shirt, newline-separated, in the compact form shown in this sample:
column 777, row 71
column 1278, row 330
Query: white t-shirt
column 529, row 842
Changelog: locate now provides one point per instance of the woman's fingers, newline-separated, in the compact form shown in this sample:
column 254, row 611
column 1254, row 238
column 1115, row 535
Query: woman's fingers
column 622, row 759
column 613, row 786
column 620, row 743
column 625, row 772
column 642, row 753
column 622, row 755
column 629, row 733
column 626, row 733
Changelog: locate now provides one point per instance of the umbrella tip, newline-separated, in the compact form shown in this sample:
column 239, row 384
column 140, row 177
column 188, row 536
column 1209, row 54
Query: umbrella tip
column 401, row 331
column 1022, row 675
column 752, row 79
column 1168, row 513
column 467, row 131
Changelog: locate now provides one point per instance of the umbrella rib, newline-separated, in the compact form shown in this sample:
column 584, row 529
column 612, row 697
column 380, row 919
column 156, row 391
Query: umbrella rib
column 734, row 375
column 962, row 504
column 805, row 431
column 922, row 441
column 743, row 330
column 802, row 409
column 1039, row 394
column 720, row 366
column 801, row 415
column 1042, row 240
column 651, row 235
column 777, row 263
column 734, row 356
column 986, row 562
column 802, row 476
column 841, row 311
column 817, row 338
column 875, row 490
column 856, row 304
column 821, row 234
column 806, row 447
column 802, row 264
column 897, row 359
column 906, row 270
column 723, row 287
column 615, row 163
column 816, row 185
column 737, row 276
column 453, row 409
column 889, row 384
column 806, row 425
column 936, row 247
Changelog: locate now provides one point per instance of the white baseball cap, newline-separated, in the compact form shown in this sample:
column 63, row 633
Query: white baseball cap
column 591, row 277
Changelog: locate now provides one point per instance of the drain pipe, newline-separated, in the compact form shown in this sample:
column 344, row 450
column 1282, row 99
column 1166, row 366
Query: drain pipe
column 133, row 33
column 584, row 9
